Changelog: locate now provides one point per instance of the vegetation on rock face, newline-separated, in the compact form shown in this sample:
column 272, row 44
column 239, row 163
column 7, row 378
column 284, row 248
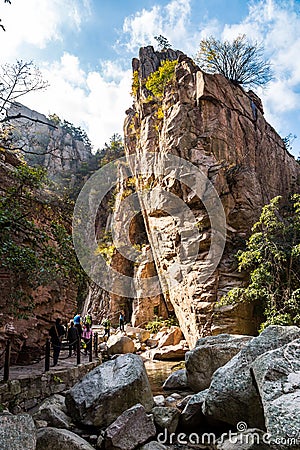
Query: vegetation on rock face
column 157, row 81
column 239, row 61
column 158, row 322
column 35, row 242
column 111, row 151
column 272, row 257
column 135, row 83
column 76, row 132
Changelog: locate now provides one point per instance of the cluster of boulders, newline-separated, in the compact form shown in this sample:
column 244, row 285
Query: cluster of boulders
column 167, row 344
column 247, row 388
column 235, row 393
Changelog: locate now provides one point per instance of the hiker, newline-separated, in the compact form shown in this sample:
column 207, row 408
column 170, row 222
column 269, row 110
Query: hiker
column 88, row 319
column 77, row 323
column 122, row 321
column 72, row 337
column 56, row 332
column 87, row 337
column 106, row 324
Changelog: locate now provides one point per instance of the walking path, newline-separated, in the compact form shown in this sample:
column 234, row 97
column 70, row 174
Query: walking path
column 64, row 362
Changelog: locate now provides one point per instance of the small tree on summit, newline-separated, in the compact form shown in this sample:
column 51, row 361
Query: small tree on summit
column 163, row 43
column 239, row 61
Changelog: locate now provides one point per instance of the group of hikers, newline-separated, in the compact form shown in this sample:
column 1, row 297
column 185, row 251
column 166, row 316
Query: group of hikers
column 78, row 330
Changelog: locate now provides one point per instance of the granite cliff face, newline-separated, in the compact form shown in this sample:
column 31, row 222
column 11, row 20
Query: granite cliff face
column 221, row 129
column 50, row 143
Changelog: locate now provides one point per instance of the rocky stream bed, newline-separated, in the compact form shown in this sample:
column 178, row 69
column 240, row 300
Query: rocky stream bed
column 231, row 392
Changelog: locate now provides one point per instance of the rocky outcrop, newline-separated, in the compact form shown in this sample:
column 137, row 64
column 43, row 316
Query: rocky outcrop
column 219, row 128
column 107, row 391
column 209, row 354
column 60, row 148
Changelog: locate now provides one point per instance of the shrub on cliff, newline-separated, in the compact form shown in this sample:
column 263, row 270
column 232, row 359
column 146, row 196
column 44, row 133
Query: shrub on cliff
column 157, row 81
column 239, row 61
column 35, row 237
column 272, row 258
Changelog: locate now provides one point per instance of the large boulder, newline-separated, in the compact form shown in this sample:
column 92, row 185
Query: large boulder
column 132, row 428
column 192, row 416
column 232, row 396
column 108, row 390
column 169, row 353
column 211, row 353
column 153, row 445
column 166, row 417
column 251, row 439
column 173, row 337
column 176, row 381
column 53, row 411
column 57, row 439
column 277, row 374
column 17, row 432
column 120, row 344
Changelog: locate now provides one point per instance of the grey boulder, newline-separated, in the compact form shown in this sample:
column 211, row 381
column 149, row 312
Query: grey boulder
column 58, row 439
column 192, row 416
column 17, row 432
column 277, row 374
column 108, row 390
column 177, row 380
column 166, row 417
column 153, row 445
column 232, row 396
column 132, row 428
column 209, row 354
column 53, row 411
column 251, row 439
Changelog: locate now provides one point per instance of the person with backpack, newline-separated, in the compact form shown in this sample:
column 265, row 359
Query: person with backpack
column 72, row 337
column 88, row 319
column 56, row 332
column 106, row 324
column 87, row 335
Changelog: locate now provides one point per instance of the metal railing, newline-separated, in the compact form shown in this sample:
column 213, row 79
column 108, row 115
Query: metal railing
column 91, row 346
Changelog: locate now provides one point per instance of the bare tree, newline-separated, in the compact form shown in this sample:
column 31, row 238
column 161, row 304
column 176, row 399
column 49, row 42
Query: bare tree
column 17, row 80
column 239, row 61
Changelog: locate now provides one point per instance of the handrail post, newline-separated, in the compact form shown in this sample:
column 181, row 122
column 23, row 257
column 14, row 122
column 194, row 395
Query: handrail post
column 7, row 360
column 78, row 350
column 47, row 355
column 96, row 344
column 91, row 349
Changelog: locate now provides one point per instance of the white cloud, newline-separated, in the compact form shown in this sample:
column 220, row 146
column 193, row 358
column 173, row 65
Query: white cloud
column 37, row 22
column 171, row 21
column 94, row 100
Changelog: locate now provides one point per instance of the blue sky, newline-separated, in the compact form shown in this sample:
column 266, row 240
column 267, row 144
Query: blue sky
column 85, row 47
